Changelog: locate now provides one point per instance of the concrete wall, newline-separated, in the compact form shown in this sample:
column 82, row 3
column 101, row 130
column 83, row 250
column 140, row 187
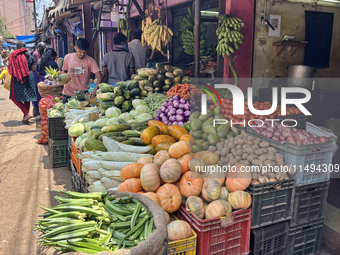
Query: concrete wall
column 265, row 62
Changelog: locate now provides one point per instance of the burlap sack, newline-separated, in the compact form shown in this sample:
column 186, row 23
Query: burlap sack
column 53, row 90
column 157, row 243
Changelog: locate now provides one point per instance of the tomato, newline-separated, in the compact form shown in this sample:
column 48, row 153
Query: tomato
column 261, row 107
column 228, row 101
column 296, row 111
column 247, row 112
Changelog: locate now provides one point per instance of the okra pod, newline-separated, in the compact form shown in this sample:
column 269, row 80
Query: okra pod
column 93, row 195
column 137, row 226
column 69, row 200
column 71, row 227
column 89, row 246
column 150, row 227
column 77, row 248
column 70, row 235
column 68, row 214
column 135, row 215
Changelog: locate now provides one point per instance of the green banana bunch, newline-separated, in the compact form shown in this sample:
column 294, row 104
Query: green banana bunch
column 124, row 27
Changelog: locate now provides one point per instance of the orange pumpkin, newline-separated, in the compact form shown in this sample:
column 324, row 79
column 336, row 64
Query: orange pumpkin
column 195, row 205
column 218, row 208
column 211, row 190
column 131, row 171
column 150, row 177
column 148, row 134
column 167, row 218
column 177, row 131
column 239, row 199
column 178, row 149
column 185, row 160
column 170, row 196
column 170, row 171
column 131, row 185
column 154, row 197
column 178, row 230
column 162, row 126
column 237, row 180
column 224, row 193
column 191, row 184
column 162, row 139
column 189, row 138
column 145, row 160
column 141, row 192
column 160, row 158
column 219, row 176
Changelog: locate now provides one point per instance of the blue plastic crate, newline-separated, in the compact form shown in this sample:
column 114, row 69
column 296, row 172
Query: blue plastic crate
column 302, row 158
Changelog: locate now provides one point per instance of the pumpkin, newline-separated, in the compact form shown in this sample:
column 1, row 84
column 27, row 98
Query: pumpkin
column 211, row 158
column 141, row 192
column 200, row 154
column 195, row 205
column 191, row 184
column 178, row 185
column 131, row 171
column 178, row 149
column 145, row 160
column 224, row 193
column 167, row 218
column 170, row 196
column 131, row 185
column 150, row 177
column 177, row 131
column 178, row 230
column 211, row 190
column 163, row 146
column 237, row 180
column 239, row 199
column 170, row 171
column 162, row 126
column 154, row 197
column 218, row 208
column 197, row 165
column 160, row 158
column 218, row 176
column 189, row 138
column 162, row 139
column 148, row 134
column 184, row 161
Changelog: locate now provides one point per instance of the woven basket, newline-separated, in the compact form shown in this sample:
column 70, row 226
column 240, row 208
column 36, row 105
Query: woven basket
column 52, row 90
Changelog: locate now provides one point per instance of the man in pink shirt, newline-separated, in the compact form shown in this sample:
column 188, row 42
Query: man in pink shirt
column 80, row 66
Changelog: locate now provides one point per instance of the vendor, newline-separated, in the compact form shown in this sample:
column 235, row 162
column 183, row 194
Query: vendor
column 118, row 64
column 80, row 66
column 137, row 50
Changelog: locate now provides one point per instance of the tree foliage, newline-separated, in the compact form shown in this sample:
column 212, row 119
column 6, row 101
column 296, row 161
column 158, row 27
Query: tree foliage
column 3, row 29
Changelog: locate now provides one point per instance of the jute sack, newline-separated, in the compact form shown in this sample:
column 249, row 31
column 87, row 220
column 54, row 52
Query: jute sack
column 53, row 90
column 157, row 243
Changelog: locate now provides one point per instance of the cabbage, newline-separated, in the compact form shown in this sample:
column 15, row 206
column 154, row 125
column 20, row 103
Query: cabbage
column 100, row 122
column 125, row 116
column 133, row 112
column 112, row 121
column 88, row 126
column 142, row 109
column 112, row 112
column 59, row 107
column 132, row 121
column 137, row 102
column 76, row 130
column 143, row 117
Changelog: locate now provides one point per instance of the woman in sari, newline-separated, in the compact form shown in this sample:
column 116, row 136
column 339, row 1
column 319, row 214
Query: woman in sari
column 21, row 68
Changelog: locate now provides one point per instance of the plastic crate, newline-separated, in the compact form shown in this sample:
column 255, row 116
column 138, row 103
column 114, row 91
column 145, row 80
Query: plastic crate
column 271, row 205
column 183, row 247
column 58, row 153
column 76, row 181
column 220, row 236
column 305, row 239
column 301, row 120
column 309, row 203
column 56, row 128
column 75, row 150
column 302, row 157
column 269, row 240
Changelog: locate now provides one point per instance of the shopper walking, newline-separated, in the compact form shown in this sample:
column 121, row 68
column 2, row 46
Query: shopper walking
column 48, row 60
column 140, row 53
column 21, row 67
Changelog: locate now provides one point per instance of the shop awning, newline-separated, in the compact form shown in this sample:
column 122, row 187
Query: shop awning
column 27, row 38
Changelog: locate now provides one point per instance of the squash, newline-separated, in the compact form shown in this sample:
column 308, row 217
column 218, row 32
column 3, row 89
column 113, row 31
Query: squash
column 131, row 171
column 131, row 185
column 150, row 177
column 177, row 131
column 191, row 184
column 178, row 149
column 145, row 160
column 197, row 165
column 184, row 161
column 211, row 190
column 238, row 180
column 162, row 139
column 167, row 218
column 211, row 158
column 200, row 154
column 189, row 138
column 218, row 176
column 178, row 230
column 195, row 205
column 160, row 158
column 218, row 208
column 170, row 171
column 148, row 134
column 239, row 199
column 163, row 146
column 162, row 126
column 153, row 196
column 170, row 196
column 141, row 192
column 224, row 193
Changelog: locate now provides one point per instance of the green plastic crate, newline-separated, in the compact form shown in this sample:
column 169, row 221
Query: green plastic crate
column 58, row 153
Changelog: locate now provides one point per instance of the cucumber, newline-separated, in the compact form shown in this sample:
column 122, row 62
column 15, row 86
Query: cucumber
column 136, row 141
column 110, row 134
column 140, row 128
column 96, row 127
column 131, row 133
column 115, row 128
column 123, row 122
column 119, row 139
column 128, row 142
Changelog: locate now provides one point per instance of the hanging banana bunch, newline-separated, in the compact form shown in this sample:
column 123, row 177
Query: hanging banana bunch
column 124, row 27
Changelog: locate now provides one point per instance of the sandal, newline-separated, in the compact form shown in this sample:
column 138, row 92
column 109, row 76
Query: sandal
column 27, row 117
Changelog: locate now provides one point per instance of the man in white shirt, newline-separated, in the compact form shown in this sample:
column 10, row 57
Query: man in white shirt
column 137, row 50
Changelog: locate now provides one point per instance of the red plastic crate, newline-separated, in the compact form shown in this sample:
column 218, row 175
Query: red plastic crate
column 75, row 150
column 220, row 236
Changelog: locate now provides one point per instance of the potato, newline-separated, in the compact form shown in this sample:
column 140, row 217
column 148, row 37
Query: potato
column 220, row 163
column 272, row 149
column 278, row 176
column 264, row 144
column 251, row 157
column 265, row 150
column 259, row 152
column 243, row 132
column 231, row 140
column 255, row 182
column 238, row 158
column 256, row 162
column 291, row 170
column 277, row 155
column 225, row 151
column 267, row 179
column 212, row 148
column 257, row 141
column 255, row 147
column 246, row 162
column 250, row 138
column 231, row 145
column 250, row 151
column 262, row 179
column 264, row 173
column 277, row 187
column 269, row 163
column 254, row 169
column 279, row 162
column 234, row 153
column 239, row 152
column 246, row 146
column 263, row 158
column 225, row 160
column 270, row 157
column 271, row 152
column 272, row 180
column 245, row 155
column 248, row 142
column 284, row 175
column 232, row 162
column 255, row 176
column 238, row 147
column 239, row 141
column 271, row 175
column 218, row 152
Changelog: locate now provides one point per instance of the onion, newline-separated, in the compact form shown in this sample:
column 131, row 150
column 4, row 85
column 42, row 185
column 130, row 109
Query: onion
column 172, row 111
column 294, row 129
column 290, row 138
column 172, row 118
column 181, row 106
column 286, row 134
column 176, row 103
column 293, row 142
column 270, row 129
column 323, row 139
column 305, row 142
column 314, row 136
column 158, row 118
column 187, row 106
column 180, row 123
column 279, row 127
column 166, row 111
column 314, row 150
column 165, row 118
column 176, row 97
column 269, row 134
column 317, row 141
column 162, row 115
column 299, row 143
column 168, row 123
column 187, row 113
column 165, row 104
column 263, row 133
column 159, row 111
column 179, row 117
column 179, row 112
column 183, row 101
column 277, row 133
column 300, row 137
column 283, row 142
column 171, row 99
column 275, row 138
column 174, row 123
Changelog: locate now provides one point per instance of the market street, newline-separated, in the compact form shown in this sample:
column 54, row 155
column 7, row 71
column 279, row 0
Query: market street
column 27, row 180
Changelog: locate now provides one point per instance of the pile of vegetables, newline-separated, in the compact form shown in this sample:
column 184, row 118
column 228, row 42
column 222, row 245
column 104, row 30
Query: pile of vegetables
column 58, row 110
column 73, row 104
column 44, row 104
column 174, row 112
column 154, row 101
column 94, row 222
column 75, row 116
